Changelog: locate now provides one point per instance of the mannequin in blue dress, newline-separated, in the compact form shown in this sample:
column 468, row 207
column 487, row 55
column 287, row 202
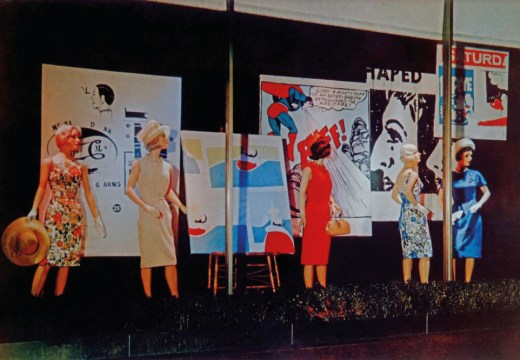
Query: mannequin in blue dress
column 467, row 221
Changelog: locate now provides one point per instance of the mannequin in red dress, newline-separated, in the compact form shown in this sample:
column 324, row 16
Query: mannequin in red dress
column 315, row 202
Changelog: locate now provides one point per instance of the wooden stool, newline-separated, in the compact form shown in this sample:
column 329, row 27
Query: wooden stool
column 261, row 274
column 217, row 271
column 258, row 275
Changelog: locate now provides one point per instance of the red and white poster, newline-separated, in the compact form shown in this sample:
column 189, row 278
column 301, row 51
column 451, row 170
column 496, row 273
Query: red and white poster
column 479, row 95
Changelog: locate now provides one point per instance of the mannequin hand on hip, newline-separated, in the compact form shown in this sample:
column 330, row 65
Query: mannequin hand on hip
column 152, row 211
column 422, row 209
column 474, row 208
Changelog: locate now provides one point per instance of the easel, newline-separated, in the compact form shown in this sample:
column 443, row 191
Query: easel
column 217, row 271
column 261, row 271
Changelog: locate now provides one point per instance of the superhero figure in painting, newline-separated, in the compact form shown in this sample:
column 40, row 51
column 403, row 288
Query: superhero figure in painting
column 286, row 98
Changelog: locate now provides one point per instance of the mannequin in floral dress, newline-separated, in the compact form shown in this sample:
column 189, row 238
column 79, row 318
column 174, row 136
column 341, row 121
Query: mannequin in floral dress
column 416, row 242
column 64, row 218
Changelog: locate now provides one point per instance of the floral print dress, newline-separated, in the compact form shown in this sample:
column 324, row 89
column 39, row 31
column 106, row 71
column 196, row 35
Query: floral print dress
column 64, row 215
column 413, row 226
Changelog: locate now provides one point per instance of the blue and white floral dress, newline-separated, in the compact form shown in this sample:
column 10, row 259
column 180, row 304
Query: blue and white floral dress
column 413, row 226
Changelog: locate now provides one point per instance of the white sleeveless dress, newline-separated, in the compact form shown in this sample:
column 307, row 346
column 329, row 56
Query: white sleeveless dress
column 156, row 241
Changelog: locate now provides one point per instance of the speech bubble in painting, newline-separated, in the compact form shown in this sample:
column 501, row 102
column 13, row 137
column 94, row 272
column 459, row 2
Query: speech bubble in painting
column 327, row 98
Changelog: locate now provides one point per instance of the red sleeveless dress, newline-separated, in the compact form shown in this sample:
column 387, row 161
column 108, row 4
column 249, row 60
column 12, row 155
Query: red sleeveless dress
column 316, row 242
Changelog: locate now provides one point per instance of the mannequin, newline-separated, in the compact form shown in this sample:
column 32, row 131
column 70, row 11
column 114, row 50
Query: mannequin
column 467, row 221
column 154, row 177
column 315, row 202
column 64, row 219
column 413, row 225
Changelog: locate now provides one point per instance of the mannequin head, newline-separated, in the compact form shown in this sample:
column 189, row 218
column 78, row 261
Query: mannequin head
column 320, row 149
column 64, row 134
column 409, row 153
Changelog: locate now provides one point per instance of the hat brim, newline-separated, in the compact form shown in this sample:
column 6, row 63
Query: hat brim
column 462, row 143
column 166, row 130
column 10, row 235
column 143, row 132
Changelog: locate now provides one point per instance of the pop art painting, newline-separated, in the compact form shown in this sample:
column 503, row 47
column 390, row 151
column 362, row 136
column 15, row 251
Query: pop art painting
column 260, row 201
column 402, row 110
column 296, row 109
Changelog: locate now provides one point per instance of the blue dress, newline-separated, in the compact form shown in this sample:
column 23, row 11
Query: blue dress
column 467, row 231
column 413, row 226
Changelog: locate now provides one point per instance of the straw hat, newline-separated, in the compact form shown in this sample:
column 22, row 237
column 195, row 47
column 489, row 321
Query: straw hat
column 25, row 242
column 151, row 130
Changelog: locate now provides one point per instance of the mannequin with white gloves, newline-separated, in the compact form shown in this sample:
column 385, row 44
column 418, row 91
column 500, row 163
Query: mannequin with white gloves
column 64, row 218
column 469, row 193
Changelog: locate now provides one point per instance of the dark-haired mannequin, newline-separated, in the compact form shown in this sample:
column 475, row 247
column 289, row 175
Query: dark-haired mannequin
column 315, row 202
column 467, row 226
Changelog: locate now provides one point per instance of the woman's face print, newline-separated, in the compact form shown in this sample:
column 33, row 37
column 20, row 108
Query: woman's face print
column 398, row 128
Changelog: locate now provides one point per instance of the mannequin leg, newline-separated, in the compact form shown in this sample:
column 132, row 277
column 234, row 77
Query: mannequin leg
column 470, row 265
column 308, row 276
column 321, row 274
column 424, row 269
column 61, row 280
column 40, row 276
column 407, row 269
column 170, row 272
column 454, row 266
column 146, row 278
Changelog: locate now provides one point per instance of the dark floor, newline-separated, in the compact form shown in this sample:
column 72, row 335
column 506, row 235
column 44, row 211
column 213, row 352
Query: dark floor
column 482, row 344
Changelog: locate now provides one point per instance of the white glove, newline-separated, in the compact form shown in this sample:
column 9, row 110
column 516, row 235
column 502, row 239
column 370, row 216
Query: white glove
column 474, row 208
column 100, row 228
column 422, row 209
column 33, row 214
column 153, row 211
column 456, row 216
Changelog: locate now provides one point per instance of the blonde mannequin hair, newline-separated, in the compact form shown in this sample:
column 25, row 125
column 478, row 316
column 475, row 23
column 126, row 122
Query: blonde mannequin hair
column 64, row 132
column 408, row 152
